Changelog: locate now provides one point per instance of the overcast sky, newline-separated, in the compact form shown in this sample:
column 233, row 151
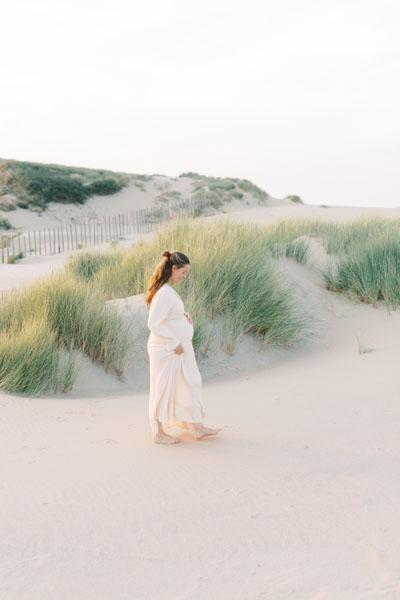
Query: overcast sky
column 299, row 96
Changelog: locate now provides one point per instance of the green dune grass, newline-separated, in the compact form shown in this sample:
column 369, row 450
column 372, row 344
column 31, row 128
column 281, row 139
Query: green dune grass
column 67, row 315
column 37, row 184
column 232, row 276
column 370, row 269
column 367, row 253
column 31, row 360
column 233, row 288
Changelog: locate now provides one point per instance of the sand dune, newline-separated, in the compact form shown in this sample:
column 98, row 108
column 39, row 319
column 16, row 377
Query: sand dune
column 128, row 199
column 297, row 497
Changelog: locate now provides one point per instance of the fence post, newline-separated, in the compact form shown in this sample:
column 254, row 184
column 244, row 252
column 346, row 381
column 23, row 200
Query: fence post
column 97, row 231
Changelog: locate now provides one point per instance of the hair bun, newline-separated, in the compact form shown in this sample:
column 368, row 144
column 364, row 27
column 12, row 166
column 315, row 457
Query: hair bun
column 166, row 253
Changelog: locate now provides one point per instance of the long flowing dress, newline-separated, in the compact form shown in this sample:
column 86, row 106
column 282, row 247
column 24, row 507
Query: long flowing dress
column 175, row 380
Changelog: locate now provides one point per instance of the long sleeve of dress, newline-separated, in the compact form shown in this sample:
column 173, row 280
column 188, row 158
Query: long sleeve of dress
column 160, row 306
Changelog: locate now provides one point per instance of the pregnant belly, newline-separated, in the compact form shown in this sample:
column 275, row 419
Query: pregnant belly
column 181, row 329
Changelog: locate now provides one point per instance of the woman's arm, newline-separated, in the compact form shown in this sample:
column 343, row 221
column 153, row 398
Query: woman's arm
column 160, row 306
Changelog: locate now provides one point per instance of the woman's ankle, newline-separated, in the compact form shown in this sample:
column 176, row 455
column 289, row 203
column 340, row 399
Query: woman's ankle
column 197, row 426
column 160, row 427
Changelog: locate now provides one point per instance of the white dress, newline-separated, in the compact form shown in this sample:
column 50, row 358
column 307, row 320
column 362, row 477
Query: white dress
column 175, row 380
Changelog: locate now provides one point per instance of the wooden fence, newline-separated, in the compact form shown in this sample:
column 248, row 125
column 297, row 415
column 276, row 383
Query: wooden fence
column 95, row 231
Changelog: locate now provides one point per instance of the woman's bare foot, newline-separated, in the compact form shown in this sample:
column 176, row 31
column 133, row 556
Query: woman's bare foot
column 199, row 431
column 164, row 438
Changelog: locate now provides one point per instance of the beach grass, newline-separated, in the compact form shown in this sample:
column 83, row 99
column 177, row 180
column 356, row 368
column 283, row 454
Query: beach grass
column 234, row 288
column 365, row 254
column 69, row 316
column 370, row 270
column 298, row 249
column 31, row 360
column 232, row 277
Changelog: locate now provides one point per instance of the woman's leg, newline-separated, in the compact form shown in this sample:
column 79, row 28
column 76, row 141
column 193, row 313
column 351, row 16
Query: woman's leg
column 164, row 438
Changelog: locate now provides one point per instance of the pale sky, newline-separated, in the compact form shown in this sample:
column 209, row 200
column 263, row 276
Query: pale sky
column 299, row 96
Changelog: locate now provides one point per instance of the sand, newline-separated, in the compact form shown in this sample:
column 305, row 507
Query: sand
column 296, row 498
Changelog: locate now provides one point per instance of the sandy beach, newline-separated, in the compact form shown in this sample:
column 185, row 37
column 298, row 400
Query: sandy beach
column 296, row 498
column 239, row 164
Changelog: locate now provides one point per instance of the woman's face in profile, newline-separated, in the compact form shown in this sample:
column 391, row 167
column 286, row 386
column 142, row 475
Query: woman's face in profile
column 178, row 274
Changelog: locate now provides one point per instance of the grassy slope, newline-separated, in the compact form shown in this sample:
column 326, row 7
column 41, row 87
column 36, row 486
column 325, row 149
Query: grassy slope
column 34, row 185
column 28, row 185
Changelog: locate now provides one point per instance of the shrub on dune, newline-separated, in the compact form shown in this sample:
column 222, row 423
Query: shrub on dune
column 5, row 224
column 104, row 187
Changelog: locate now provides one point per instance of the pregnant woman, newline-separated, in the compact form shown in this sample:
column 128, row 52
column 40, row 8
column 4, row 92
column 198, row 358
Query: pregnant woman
column 175, row 380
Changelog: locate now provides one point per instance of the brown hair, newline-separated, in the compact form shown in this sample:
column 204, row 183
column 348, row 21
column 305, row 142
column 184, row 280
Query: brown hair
column 163, row 271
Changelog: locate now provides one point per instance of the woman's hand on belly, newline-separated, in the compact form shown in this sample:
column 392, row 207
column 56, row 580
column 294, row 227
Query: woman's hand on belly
column 189, row 318
column 179, row 349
